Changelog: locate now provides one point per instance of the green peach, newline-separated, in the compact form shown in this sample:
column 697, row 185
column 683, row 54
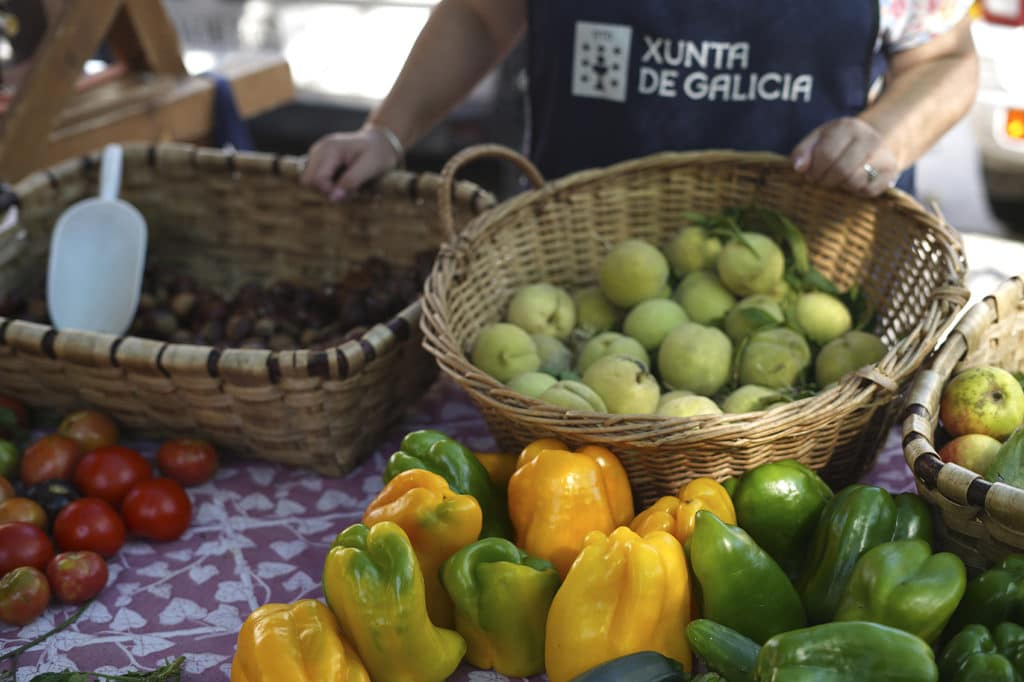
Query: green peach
column 704, row 298
column 555, row 356
column 753, row 265
column 504, row 350
column 610, row 343
column 650, row 321
column 543, row 309
column 752, row 398
column 595, row 313
column 692, row 249
column 695, row 358
column 624, row 384
column 688, row 406
column 532, row 384
column 774, row 358
column 633, row 271
column 849, row 352
column 821, row 317
column 752, row 313
column 573, row 395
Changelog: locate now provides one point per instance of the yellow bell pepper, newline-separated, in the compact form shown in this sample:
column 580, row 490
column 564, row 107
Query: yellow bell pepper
column 624, row 594
column 374, row 586
column 675, row 515
column 499, row 465
column 556, row 497
column 438, row 523
column 295, row 642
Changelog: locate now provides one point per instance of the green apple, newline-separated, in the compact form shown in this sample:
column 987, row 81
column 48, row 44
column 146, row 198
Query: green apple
column 624, row 384
column 751, row 265
column 692, row 249
column 986, row 400
column 595, row 313
column 532, row 384
column 752, row 398
column 543, row 309
column 650, row 321
column 688, row 406
column 610, row 343
column 849, row 352
column 574, row 395
column 633, row 271
column 703, row 297
column 555, row 356
column 821, row 317
column 774, row 358
column 504, row 350
column 752, row 313
column 695, row 358
column 974, row 451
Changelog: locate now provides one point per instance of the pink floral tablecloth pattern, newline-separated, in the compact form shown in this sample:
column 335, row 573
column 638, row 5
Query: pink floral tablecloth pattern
column 259, row 534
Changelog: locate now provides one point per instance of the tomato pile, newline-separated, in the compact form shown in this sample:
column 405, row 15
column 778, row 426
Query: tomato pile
column 70, row 499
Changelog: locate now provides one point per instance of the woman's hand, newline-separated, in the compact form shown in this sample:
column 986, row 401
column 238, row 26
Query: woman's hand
column 849, row 153
column 340, row 162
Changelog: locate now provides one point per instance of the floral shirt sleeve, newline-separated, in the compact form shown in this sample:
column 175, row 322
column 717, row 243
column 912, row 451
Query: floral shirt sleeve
column 904, row 24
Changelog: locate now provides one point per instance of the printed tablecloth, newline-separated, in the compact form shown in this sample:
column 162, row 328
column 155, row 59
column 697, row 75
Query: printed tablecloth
column 259, row 534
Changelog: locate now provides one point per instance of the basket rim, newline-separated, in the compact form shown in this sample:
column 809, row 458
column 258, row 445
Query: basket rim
column 956, row 484
column 874, row 383
column 336, row 363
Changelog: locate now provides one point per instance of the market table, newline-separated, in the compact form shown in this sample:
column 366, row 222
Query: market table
column 260, row 532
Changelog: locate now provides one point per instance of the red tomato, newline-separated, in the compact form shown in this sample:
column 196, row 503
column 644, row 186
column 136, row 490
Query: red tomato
column 158, row 509
column 76, row 577
column 187, row 461
column 51, row 457
column 22, row 544
column 109, row 473
column 24, row 510
column 6, row 489
column 90, row 429
column 24, row 595
column 18, row 411
column 89, row 524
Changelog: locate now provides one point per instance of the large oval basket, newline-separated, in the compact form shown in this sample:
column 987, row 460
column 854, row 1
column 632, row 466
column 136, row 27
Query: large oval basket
column 225, row 219
column 980, row 521
column 908, row 262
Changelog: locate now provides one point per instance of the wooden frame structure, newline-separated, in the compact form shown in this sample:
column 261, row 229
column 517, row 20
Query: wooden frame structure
column 145, row 95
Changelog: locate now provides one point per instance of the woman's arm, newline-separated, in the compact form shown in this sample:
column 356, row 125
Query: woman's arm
column 928, row 89
column 460, row 43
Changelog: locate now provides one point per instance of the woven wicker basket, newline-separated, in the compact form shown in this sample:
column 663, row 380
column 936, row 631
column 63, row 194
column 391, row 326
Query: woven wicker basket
column 907, row 261
column 224, row 219
column 981, row 521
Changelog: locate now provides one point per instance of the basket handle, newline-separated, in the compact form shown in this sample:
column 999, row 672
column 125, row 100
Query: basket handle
column 466, row 156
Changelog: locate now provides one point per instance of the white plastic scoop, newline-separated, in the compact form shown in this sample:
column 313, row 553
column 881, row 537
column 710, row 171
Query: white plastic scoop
column 97, row 256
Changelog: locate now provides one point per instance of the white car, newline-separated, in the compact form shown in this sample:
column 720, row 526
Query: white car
column 997, row 118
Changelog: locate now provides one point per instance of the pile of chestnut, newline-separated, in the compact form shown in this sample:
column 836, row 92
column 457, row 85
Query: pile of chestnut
column 277, row 315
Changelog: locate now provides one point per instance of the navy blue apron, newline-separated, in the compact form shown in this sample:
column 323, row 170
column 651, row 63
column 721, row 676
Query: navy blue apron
column 617, row 79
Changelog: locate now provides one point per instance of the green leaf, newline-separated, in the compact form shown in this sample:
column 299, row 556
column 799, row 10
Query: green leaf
column 736, row 355
column 781, row 229
column 815, row 281
column 66, row 676
column 760, row 319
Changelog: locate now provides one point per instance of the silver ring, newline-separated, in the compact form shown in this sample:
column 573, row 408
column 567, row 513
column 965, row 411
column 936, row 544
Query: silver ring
column 871, row 171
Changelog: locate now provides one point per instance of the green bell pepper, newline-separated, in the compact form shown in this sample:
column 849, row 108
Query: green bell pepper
column 995, row 596
column 1008, row 465
column 455, row 463
column 858, row 518
column 975, row 653
column 903, row 585
column 374, row 585
column 642, row 666
column 846, row 652
column 723, row 650
column 779, row 504
column 913, row 518
column 741, row 586
column 501, row 597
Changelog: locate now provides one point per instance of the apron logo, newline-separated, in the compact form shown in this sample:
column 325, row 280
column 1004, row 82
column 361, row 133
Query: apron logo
column 600, row 68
